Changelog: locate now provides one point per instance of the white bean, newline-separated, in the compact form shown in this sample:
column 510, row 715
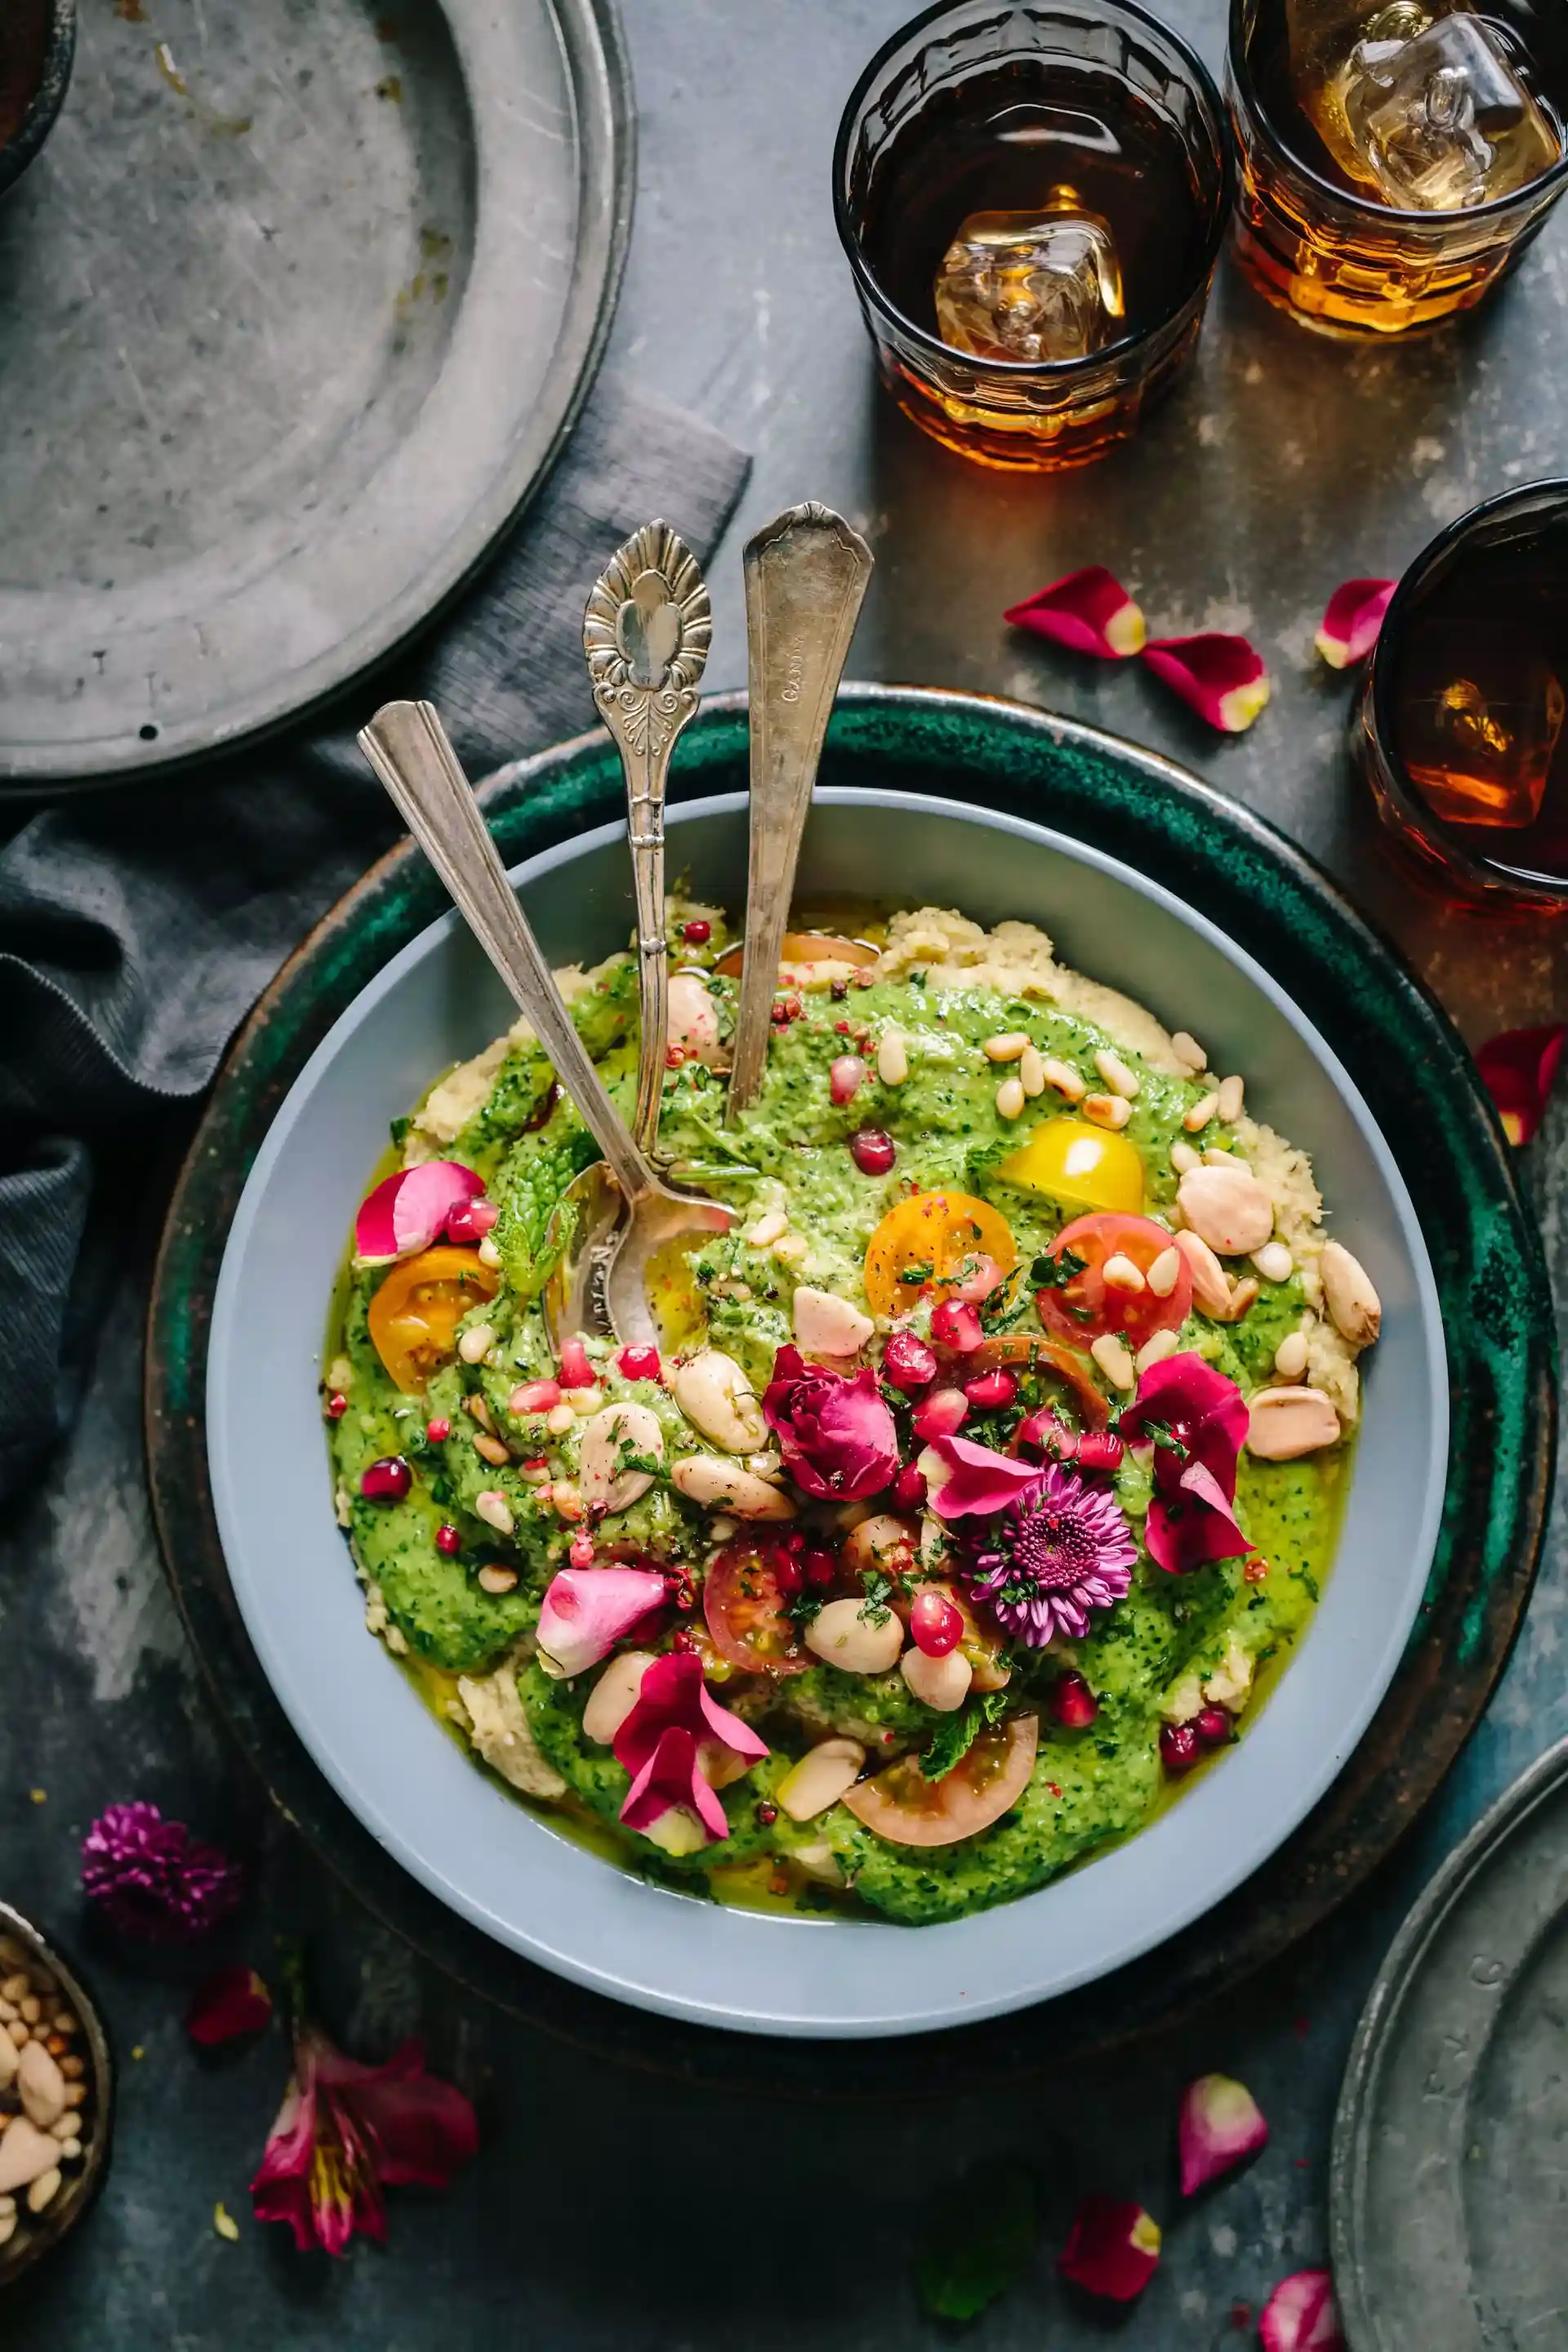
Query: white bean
column 717, row 1398
column 693, row 1018
column 1287, row 1422
column 942, row 1683
column 820, row 1778
column 615, row 1431
column 892, row 1059
column 881, row 1542
column 1226, row 1207
column 826, row 1325
column 1274, row 1262
column 475, row 1344
column 842, row 1634
column 614, row 1694
column 714, row 1484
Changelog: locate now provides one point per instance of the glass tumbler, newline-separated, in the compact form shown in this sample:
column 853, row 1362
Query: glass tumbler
column 1338, row 260
column 1462, row 726
column 1137, row 77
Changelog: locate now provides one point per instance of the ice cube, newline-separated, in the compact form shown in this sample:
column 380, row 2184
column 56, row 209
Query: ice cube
column 1482, row 753
column 1439, row 121
column 1042, row 285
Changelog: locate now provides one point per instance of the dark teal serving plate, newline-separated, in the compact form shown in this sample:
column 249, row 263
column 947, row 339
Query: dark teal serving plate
column 1421, row 1088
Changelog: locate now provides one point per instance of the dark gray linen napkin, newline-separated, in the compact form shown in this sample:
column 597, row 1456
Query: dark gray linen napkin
column 139, row 925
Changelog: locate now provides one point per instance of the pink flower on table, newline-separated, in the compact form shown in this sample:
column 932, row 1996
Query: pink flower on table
column 234, row 2002
column 677, row 1728
column 152, row 1879
column 345, row 2132
column 1518, row 1070
column 1112, row 2248
column 1197, row 1421
column 835, row 1431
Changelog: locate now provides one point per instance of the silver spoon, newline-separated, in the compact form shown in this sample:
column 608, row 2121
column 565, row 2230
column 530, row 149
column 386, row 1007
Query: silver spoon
column 408, row 747
column 805, row 577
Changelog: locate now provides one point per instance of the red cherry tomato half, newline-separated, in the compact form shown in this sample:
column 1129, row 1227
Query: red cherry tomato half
column 906, row 1809
column 743, row 1604
column 1087, row 1307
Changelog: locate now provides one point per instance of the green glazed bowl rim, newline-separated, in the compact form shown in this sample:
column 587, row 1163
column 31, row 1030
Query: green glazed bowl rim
column 1399, row 1047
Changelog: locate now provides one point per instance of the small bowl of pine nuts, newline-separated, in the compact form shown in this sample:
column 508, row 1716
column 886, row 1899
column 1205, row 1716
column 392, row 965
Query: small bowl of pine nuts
column 56, row 2096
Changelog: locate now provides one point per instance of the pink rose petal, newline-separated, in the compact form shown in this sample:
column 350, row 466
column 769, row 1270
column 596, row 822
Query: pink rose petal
column 661, row 1743
column 1221, row 677
column 233, row 2003
column 588, row 1610
column 406, row 1212
column 977, row 1480
column 1348, row 629
column 1191, row 1518
column 1301, row 2316
column 1112, row 2248
column 1219, row 2122
column 672, row 1776
column 1518, row 1070
column 1089, row 612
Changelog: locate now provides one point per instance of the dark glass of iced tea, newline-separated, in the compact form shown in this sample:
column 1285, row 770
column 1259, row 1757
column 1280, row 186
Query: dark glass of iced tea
column 1032, row 194
column 1396, row 159
column 1460, row 727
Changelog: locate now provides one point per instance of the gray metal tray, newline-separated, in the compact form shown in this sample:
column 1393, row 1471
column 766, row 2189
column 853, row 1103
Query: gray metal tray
column 1450, row 2161
column 295, row 310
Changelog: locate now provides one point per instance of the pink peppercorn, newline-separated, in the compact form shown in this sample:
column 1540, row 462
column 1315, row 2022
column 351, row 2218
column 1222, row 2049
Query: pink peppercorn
column 1179, row 1748
column 767, row 1815
column 698, row 932
column 439, row 1429
column 448, row 1542
column 907, row 1362
column 683, row 1638
column 1072, row 1702
column 990, row 1391
column 872, row 1150
column 337, row 1405
column 640, row 1364
column 579, row 1552
column 386, row 1481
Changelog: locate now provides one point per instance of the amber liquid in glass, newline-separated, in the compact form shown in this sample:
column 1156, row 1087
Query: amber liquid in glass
column 1011, row 141
column 1478, row 700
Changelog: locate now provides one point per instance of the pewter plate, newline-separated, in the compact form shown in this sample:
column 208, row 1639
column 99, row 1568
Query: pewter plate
column 295, row 310
column 1450, row 2165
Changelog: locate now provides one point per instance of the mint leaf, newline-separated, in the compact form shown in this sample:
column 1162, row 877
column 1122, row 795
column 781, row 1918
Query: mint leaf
column 977, row 2241
column 956, row 1734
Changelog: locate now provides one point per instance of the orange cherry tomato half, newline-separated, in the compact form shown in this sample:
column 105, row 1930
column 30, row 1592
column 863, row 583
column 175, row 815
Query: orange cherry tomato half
column 745, row 1613
column 1087, row 1307
column 902, row 1806
column 936, row 1237
column 805, row 948
column 414, row 1314
column 1017, row 1352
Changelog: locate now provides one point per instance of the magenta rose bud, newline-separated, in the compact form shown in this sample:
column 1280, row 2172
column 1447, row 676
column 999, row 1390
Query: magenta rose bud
column 834, row 1429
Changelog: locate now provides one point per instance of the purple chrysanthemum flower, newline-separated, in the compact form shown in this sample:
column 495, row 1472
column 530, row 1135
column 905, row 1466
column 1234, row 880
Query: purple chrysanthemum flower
column 1064, row 1549
column 153, row 1878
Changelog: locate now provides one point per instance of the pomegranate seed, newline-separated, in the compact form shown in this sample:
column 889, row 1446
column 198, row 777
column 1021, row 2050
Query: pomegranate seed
column 386, row 1481
column 780, row 1013
column 766, row 1816
column 794, row 1541
column 439, row 1429
column 845, row 1075
column 936, row 1624
column 941, row 1414
column 907, row 1362
column 989, row 1391
column 697, row 933
column 337, row 1405
column 683, row 1638
column 818, row 1566
column 641, row 1364
column 1213, row 1727
column 841, row 1029
column 448, row 1542
column 685, row 1599
column 911, row 1487
column 872, row 1150
column 954, row 1324
column 534, row 1396
column 787, row 1576
column 471, row 1222
column 1178, row 1747
column 1072, row 1702
column 576, row 1372
column 1256, row 1571
column 1099, row 1449
column 1048, row 1435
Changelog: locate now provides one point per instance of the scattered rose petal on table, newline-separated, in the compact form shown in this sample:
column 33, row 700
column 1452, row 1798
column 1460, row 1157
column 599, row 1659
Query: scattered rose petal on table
column 1518, row 1070
column 1089, row 612
column 1222, row 677
column 233, row 2003
column 1301, row 2316
column 1348, row 629
column 1112, row 2248
column 1219, row 2122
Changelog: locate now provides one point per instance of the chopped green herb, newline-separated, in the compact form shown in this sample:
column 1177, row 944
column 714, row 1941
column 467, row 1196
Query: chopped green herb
column 1049, row 1273
column 399, row 1130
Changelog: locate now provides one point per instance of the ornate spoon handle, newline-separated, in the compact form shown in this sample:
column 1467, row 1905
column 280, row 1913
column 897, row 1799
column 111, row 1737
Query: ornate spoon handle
column 645, row 634
column 806, row 576
column 406, row 745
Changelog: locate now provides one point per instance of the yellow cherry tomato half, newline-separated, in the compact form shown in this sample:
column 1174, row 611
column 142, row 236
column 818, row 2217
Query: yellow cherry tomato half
column 1071, row 1160
column 930, row 1245
column 413, row 1316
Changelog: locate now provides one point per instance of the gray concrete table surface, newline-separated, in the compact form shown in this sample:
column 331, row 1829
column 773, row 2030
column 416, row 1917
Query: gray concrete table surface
column 608, row 2210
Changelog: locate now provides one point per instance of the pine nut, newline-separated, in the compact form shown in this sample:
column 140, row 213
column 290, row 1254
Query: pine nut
column 560, row 1419
column 1005, row 1046
column 478, row 1410
column 491, row 1450
column 567, row 1500
column 820, row 1778
column 1032, row 1070
column 1114, row 1360
column 1188, row 1051
column 1184, row 1157
column 1108, row 1110
column 489, row 1254
column 1155, row 1350
column 1165, row 1273
column 496, row 1578
column 495, row 1510
column 1290, row 1356
column 1064, row 1078
column 1116, row 1073
column 1010, row 1098
column 1232, row 1094
column 1119, row 1273
column 1274, row 1262
column 1202, row 1111
column 476, row 1343
column 1217, row 1156
column 892, row 1059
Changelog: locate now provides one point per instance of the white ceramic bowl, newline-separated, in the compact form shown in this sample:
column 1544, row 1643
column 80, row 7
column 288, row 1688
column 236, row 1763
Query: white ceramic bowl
column 508, row 1870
